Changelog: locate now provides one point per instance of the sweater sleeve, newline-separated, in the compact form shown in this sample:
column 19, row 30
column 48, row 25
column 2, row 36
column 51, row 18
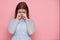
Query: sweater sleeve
column 30, row 26
column 12, row 25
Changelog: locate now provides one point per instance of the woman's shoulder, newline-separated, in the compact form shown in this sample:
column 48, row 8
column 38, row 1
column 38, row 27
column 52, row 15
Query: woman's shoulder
column 13, row 20
column 30, row 20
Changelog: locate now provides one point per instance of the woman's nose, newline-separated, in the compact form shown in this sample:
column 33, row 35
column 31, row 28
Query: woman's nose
column 21, row 15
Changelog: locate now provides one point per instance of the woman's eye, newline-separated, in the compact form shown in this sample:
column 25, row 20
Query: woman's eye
column 23, row 12
column 19, row 12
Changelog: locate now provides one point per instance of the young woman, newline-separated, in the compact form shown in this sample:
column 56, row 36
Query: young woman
column 21, row 27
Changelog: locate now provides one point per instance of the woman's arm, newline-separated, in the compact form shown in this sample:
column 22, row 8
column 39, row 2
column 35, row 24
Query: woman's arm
column 30, row 26
column 12, row 25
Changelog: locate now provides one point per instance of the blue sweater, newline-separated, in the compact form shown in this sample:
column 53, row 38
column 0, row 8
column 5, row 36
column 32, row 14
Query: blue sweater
column 21, row 29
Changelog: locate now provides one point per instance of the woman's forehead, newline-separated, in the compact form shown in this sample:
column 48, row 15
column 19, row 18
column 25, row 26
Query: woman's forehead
column 21, row 10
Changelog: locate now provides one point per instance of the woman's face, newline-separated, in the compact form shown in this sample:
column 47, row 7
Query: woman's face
column 21, row 13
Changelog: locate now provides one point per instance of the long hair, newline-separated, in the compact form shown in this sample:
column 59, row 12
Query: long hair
column 22, row 5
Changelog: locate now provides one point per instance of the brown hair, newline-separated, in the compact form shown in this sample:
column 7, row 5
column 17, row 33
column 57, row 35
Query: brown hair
column 22, row 5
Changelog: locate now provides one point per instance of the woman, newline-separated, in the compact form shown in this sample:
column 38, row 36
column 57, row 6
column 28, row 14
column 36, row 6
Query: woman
column 21, row 27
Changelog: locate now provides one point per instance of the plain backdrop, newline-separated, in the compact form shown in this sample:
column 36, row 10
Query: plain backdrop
column 45, row 14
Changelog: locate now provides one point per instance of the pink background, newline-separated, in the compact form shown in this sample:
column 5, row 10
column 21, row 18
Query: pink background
column 45, row 14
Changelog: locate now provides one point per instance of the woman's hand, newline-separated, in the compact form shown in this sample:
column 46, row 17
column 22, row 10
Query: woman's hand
column 23, row 16
column 18, row 17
